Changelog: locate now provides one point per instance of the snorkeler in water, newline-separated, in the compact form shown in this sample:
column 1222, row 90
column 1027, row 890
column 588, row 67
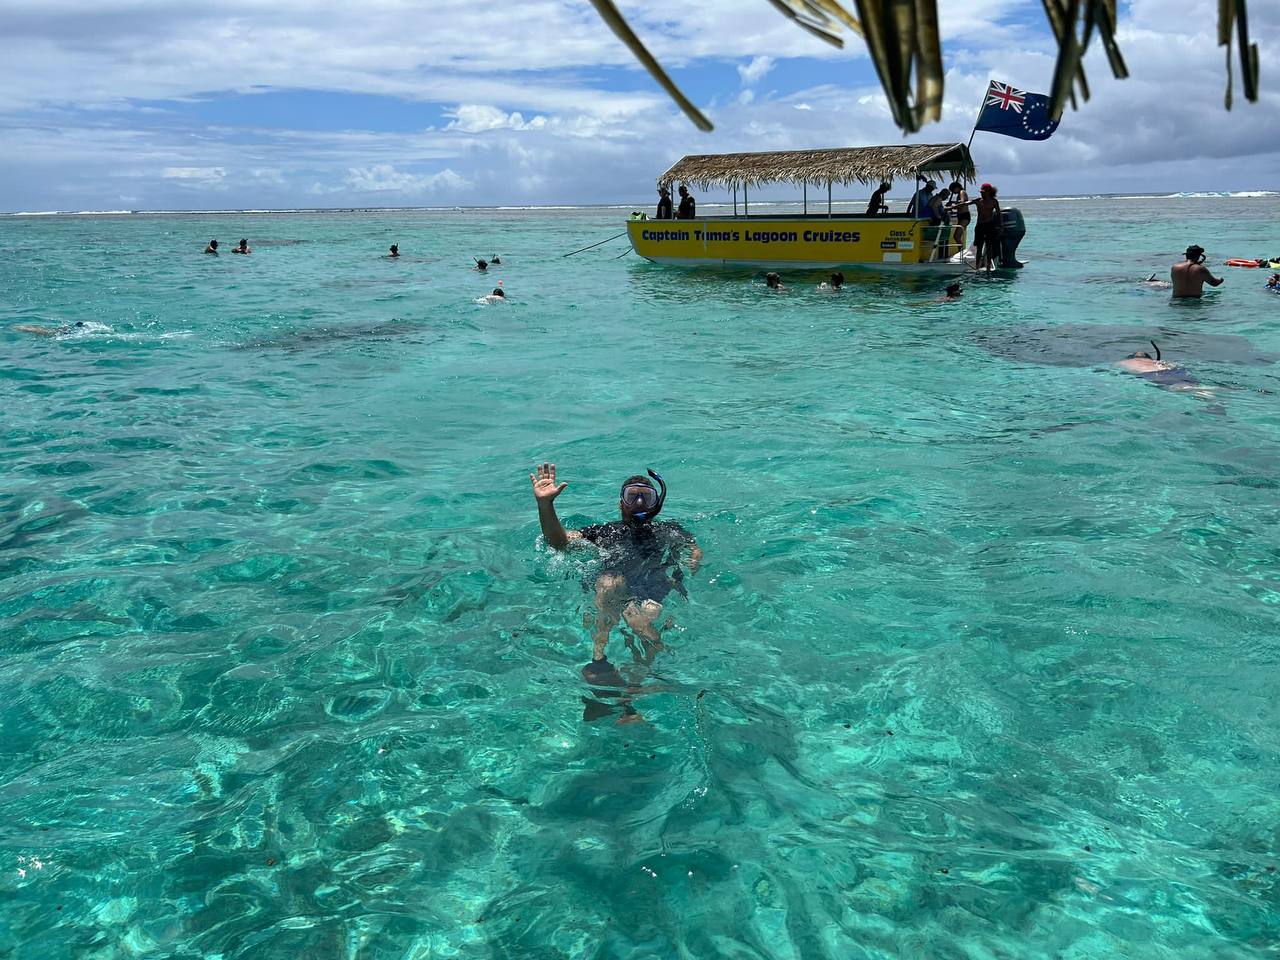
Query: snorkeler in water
column 242, row 247
column 835, row 283
column 481, row 265
column 773, row 281
column 212, row 247
column 498, row 296
column 1166, row 375
column 394, row 252
column 43, row 331
column 954, row 291
column 495, row 260
column 640, row 563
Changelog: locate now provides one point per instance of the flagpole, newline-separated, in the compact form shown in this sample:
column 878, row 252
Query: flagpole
column 978, row 118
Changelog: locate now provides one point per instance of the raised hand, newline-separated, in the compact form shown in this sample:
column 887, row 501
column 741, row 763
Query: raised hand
column 545, row 489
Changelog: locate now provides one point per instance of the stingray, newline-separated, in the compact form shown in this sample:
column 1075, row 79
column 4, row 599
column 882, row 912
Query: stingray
column 319, row 336
column 1098, row 344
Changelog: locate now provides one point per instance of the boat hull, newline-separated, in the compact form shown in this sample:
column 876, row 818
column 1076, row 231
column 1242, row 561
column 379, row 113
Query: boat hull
column 889, row 243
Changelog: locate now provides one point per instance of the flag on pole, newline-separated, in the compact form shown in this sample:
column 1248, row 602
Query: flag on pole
column 1016, row 113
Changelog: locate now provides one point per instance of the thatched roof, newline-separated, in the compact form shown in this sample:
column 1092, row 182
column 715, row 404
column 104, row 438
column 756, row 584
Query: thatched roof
column 841, row 165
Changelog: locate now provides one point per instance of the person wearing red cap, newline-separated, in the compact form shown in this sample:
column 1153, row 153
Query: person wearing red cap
column 986, row 234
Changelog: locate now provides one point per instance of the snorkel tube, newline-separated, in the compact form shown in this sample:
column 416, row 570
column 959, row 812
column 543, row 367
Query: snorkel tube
column 1154, row 344
column 644, row 516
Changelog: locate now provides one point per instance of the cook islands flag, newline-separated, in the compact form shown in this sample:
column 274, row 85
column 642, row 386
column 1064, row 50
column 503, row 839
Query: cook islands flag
column 1016, row 113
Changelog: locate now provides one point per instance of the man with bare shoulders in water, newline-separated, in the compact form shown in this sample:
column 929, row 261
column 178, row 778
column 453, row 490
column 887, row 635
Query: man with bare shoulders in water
column 1190, row 276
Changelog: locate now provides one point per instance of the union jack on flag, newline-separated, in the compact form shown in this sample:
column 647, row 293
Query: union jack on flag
column 1005, row 97
column 1015, row 113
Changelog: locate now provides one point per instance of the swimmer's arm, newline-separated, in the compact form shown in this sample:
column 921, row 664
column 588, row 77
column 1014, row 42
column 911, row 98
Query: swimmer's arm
column 1210, row 279
column 545, row 491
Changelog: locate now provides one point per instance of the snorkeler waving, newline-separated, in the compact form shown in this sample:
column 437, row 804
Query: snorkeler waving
column 640, row 560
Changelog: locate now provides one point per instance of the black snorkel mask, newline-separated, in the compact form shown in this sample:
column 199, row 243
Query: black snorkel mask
column 644, row 495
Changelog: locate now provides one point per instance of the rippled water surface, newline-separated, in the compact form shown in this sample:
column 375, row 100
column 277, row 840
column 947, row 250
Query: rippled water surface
column 981, row 662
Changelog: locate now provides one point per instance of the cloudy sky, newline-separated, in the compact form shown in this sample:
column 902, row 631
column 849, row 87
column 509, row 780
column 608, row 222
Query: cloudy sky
column 161, row 104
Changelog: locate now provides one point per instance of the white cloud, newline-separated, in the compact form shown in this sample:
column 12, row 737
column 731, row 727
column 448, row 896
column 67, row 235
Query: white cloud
column 384, row 178
column 205, row 177
column 477, row 118
column 751, row 73
column 535, row 111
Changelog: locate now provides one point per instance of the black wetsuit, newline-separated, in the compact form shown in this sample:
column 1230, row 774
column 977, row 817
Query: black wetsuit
column 646, row 555
column 688, row 208
column 1172, row 377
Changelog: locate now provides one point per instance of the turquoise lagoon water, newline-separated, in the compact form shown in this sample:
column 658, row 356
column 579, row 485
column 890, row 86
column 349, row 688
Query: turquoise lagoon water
column 981, row 663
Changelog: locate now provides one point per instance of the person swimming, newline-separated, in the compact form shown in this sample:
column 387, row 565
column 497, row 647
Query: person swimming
column 642, row 560
column 481, row 265
column 395, row 252
column 773, row 281
column 498, row 296
column 43, row 331
column 496, row 260
column 835, row 283
column 1155, row 370
column 242, row 247
column 954, row 291
column 212, row 247
column 1273, row 283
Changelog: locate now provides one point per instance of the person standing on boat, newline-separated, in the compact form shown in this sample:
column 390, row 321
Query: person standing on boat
column 688, row 207
column 664, row 204
column 986, row 235
column 919, row 206
column 876, row 206
column 1190, row 276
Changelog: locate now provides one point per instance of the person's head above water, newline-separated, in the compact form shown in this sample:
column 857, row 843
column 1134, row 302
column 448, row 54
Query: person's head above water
column 495, row 259
column 837, row 280
column 497, row 292
column 243, row 243
column 954, row 290
column 773, row 281
column 640, row 500
column 482, row 265
column 1195, row 253
column 395, row 250
column 1143, row 355
column 213, row 244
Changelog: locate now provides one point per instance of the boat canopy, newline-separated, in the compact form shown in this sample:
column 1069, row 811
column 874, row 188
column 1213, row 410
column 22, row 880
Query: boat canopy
column 841, row 165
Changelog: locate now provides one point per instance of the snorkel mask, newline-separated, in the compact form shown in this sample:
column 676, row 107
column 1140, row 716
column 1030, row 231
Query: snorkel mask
column 643, row 499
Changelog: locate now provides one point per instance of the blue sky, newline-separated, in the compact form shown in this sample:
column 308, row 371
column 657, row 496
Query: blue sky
column 155, row 104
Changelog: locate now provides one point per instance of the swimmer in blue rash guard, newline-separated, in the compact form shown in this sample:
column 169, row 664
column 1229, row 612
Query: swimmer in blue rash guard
column 640, row 561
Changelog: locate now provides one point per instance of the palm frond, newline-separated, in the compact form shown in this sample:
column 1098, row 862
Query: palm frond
column 902, row 39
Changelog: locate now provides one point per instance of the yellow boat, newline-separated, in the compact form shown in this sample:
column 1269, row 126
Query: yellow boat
column 814, row 240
